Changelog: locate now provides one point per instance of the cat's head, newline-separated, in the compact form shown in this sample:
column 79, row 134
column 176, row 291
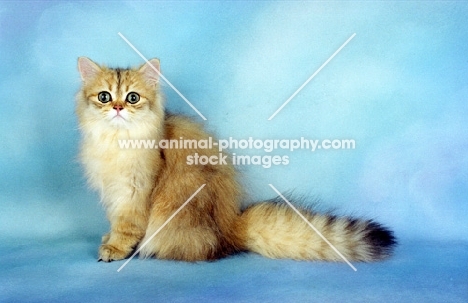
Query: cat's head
column 120, row 99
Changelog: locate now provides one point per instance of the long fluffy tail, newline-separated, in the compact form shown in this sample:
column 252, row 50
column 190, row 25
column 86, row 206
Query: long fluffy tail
column 274, row 230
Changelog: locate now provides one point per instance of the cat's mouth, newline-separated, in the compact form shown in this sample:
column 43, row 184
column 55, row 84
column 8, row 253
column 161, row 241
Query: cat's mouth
column 118, row 121
column 118, row 116
column 119, row 113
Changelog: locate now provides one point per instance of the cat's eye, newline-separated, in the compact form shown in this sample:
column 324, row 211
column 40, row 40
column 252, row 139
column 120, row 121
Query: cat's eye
column 133, row 98
column 104, row 97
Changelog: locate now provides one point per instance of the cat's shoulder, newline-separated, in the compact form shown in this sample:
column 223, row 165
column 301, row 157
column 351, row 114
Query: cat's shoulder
column 180, row 126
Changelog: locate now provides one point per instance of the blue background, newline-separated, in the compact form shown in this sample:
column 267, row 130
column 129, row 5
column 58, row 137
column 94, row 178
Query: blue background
column 399, row 89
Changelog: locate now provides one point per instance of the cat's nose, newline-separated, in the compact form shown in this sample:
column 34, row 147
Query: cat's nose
column 118, row 107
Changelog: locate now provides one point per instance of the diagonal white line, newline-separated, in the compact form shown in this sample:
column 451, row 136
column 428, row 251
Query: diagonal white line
column 162, row 226
column 311, row 77
column 313, row 227
column 161, row 75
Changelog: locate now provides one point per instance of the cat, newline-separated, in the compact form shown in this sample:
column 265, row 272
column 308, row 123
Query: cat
column 141, row 188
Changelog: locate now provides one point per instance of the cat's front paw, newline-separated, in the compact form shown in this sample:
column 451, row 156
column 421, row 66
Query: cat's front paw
column 109, row 253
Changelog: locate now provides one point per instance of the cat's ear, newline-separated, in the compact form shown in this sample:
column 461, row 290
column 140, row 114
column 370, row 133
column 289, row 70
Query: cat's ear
column 88, row 69
column 151, row 71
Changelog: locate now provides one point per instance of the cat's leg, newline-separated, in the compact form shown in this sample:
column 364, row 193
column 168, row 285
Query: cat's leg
column 127, row 229
column 192, row 234
column 180, row 239
column 105, row 238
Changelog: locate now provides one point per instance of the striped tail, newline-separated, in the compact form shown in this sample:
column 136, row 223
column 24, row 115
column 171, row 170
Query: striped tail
column 275, row 230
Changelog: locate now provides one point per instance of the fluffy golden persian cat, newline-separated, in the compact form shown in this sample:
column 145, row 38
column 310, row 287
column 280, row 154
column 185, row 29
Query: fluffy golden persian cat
column 141, row 188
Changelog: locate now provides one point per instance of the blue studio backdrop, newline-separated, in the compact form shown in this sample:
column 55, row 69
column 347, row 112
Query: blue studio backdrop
column 398, row 89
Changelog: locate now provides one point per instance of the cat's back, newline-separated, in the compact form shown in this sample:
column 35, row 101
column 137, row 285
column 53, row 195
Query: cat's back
column 179, row 126
column 195, row 151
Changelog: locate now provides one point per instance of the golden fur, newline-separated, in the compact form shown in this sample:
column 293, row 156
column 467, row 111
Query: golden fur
column 141, row 188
